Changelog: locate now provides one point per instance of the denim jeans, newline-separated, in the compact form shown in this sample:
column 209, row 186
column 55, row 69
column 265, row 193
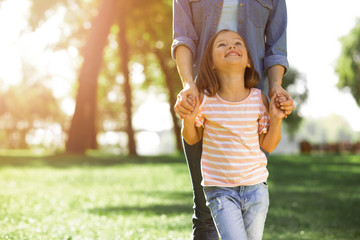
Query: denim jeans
column 239, row 212
column 203, row 225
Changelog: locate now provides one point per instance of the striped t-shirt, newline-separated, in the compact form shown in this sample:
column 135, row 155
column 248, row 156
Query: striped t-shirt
column 231, row 152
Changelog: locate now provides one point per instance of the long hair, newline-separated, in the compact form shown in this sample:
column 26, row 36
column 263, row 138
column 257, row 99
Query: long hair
column 207, row 80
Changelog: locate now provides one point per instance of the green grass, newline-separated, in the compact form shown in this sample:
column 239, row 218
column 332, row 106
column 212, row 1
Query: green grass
column 116, row 197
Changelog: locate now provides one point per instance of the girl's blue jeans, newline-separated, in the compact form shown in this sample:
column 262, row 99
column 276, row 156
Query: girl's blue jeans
column 239, row 212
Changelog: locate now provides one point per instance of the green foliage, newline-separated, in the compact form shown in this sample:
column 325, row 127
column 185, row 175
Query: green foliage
column 348, row 64
column 295, row 84
column 114, row 197
column 150, row 26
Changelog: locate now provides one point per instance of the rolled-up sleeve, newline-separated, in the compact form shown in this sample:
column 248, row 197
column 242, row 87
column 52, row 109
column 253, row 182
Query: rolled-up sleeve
column 275, row 46
column 184, row 32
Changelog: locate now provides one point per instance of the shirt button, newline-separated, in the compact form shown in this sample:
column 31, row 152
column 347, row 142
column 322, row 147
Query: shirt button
column 241, row 4
column 240, row 21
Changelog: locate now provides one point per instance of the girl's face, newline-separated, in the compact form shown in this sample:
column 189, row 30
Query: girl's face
column 229, row 48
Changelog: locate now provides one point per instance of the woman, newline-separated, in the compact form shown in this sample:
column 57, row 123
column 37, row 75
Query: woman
column 263, row 25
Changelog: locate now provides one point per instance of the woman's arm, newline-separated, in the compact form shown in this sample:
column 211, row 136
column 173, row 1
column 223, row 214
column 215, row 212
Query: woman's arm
column 184, row 32
column 275, row 61
column 183, row 51
column 184, row 62
column 275, row 32
column 275, row 75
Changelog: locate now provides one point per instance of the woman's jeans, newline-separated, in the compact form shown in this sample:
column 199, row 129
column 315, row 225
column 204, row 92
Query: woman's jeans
column 203, row 225
column 239, row 212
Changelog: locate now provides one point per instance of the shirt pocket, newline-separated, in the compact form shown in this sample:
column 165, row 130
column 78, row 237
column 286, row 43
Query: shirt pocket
column 258, row 11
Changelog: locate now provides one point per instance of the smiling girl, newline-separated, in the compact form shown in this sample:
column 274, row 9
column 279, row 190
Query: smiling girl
column 234, row 119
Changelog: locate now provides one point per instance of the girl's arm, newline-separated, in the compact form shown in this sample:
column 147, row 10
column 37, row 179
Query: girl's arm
column 270, row 140
column 189, row 131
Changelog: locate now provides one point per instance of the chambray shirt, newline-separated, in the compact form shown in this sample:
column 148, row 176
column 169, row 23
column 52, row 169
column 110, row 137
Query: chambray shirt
column 262, row 23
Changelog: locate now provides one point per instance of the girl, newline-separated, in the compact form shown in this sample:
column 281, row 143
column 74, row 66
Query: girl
column 232, row 118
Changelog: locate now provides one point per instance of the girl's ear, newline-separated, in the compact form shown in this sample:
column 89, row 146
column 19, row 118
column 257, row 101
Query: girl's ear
column 248, row 65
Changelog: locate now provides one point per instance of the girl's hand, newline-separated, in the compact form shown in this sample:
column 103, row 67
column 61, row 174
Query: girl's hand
column 278, row 100
column 185, row 103
column 191, row 117
column 285, row 102
column 276, row 112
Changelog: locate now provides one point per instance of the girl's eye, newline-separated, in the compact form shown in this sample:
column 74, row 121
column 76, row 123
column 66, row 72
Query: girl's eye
column 221, row 45
column 238, row 43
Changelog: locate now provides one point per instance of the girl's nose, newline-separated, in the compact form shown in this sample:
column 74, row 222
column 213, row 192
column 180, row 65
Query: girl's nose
column 230, row 47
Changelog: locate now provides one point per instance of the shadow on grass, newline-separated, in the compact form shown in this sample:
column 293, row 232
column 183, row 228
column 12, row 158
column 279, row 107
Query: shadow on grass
column 316, row 173
column 169, row 204
column 156, row 209
column 166, row 195
column 65, row 160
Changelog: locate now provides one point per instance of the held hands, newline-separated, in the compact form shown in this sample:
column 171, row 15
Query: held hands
column 190, row 118
column 283, row 99
column 186, row 100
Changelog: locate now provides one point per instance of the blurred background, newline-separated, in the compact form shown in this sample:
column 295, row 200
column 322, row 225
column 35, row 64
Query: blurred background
column 89, row 74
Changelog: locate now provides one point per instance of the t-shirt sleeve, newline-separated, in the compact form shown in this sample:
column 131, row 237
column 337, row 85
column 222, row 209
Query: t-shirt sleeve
column 199, row 120
column 264, row 118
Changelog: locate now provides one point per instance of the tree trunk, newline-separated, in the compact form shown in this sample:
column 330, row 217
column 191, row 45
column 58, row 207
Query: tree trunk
column 172, row 97
column 82, row 133
column 124, row 46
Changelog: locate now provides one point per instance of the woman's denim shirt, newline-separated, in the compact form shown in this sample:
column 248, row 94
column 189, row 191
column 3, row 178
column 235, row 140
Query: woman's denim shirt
column 262, row 23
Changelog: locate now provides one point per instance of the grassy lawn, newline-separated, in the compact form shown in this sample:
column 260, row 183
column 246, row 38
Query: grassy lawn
column 114, row 197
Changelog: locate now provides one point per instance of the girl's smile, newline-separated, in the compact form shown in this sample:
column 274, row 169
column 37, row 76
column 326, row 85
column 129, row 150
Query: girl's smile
column 229, row 48
column 233, row 53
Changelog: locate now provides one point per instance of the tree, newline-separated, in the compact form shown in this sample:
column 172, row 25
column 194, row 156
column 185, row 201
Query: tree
column 348, row 64
column 170, row 74
column 124, row 52
column 82, row 133
column 154, row 38
column 133, row 32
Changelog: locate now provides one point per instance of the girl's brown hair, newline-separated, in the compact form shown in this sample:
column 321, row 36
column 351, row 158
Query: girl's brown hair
column 207, row 80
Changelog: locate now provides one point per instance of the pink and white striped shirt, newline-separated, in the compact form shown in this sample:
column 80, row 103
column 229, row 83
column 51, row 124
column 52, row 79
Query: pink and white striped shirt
column 231, row 151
